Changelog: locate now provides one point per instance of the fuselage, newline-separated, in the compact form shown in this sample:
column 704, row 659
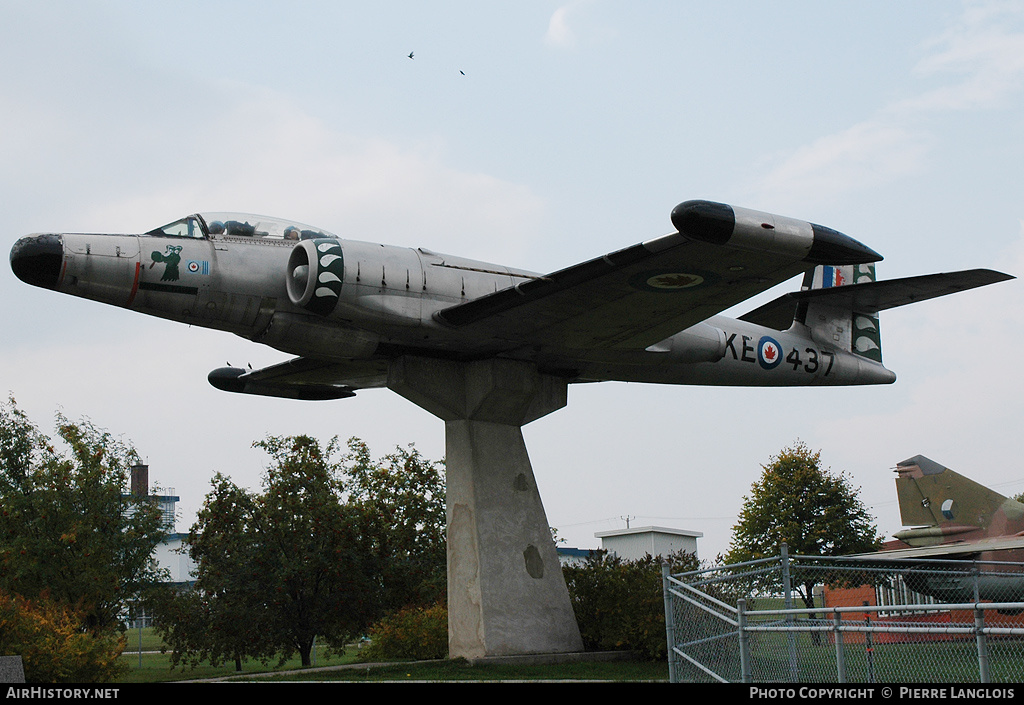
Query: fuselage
column 307, row 292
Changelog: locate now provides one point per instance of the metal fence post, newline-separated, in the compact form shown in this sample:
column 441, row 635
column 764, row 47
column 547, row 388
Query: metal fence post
column 840, row 651
column 741, row 627
column 787, row 588
column 670, row 622
column 869, row 649
column 979, row 637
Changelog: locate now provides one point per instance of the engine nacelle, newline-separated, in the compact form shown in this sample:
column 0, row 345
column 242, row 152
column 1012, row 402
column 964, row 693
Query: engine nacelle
column 316, row 271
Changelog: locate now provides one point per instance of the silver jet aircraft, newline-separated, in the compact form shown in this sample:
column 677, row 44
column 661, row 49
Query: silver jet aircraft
column 647, row 313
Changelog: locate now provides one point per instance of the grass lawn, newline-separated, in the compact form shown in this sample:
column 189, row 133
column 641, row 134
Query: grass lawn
column 156, row 667
column 460, row 670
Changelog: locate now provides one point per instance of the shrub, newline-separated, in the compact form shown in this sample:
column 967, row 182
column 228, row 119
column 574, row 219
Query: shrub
column 53, row 645
column 619, row 604
column 416, row 633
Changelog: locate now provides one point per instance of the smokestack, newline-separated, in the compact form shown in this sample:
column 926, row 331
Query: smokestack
column 140, row 480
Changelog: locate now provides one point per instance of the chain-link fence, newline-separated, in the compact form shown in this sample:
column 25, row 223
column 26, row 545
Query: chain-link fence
column 842, row 620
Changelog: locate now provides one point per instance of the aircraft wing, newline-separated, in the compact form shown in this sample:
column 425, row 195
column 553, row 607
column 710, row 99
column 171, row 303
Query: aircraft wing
column 950, row 550
column 303, row 378
column 872, row 297
column 632, row 298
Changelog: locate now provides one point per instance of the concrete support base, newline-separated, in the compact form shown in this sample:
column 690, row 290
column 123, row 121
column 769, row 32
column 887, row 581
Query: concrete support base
column 506, row 594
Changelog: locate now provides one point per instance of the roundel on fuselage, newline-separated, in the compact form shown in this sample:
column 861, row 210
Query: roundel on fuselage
column 316, row 269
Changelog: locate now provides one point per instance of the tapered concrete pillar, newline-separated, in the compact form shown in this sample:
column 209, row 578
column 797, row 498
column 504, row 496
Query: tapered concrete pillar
column 506, row 594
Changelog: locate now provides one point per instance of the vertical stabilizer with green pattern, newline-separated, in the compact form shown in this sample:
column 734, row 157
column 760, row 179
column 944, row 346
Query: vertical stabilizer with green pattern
column 834, row 324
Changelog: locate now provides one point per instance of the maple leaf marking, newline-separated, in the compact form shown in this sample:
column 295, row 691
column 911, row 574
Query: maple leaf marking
column 770, row 352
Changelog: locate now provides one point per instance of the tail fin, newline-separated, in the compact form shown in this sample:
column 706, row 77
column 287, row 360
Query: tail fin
column 944, row 505
column 840, row 305
column 836, row 320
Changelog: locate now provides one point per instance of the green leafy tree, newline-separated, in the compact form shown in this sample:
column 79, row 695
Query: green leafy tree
column 402, row 497
column 223, row 618
column 277, row 569
column 68, row 528
column 809, row 508
column 316, row 548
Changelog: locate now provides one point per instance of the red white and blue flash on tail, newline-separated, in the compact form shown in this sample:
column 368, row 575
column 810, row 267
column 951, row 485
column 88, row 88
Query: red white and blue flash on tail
column 865, row 336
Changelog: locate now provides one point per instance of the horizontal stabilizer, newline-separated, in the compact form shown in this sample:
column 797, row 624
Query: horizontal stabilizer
column 954, row 551
column 872, row 297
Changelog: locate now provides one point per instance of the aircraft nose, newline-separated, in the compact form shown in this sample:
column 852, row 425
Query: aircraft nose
column 37, row 259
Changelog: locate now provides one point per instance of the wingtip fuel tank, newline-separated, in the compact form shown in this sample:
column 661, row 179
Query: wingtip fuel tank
column 722, row 224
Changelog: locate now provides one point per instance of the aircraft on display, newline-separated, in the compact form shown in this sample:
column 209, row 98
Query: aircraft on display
column 948, row 515
column 963, row 541
column 647, row 313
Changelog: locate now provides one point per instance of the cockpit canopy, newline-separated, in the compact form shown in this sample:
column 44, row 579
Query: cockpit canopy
column 241, row 225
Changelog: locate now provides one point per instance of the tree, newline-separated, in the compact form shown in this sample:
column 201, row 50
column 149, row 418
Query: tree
column 68, row 528
column 812, row 510
column 277, row 569
column 316, row 553
column 402, row 497
column 331, row 543
column 221, row 619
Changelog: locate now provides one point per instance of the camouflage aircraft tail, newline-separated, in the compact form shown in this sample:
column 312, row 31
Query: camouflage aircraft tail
column 943, row 506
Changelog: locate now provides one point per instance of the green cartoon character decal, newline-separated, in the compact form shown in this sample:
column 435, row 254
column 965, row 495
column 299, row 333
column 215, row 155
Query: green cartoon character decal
column 171, row 257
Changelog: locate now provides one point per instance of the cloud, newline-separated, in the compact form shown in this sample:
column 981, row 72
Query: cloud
column 981, row 59
column 262, row 154
column 986, row 47
column 559, row 33
column 569, row 23
column 870, row 152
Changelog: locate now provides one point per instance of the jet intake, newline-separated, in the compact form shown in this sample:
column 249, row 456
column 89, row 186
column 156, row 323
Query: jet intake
column 721, row 224
column 316, row 271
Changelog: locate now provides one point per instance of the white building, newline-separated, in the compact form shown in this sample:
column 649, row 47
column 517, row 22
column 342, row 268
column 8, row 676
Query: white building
column 168, row 553
column 177, row 562
column 633, row 544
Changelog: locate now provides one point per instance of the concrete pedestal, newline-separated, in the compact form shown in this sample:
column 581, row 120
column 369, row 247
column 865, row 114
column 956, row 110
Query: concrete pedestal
column 12, row 670
column 506, row 594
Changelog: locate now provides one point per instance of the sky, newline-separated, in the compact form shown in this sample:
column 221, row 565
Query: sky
column 535, row 134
